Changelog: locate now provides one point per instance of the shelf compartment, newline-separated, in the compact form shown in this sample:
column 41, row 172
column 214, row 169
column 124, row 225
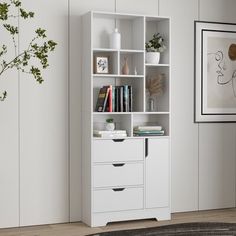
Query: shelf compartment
column 113, row 65
column 162, row 26
column 135, row 60
column 122, row 122
column 161, row 102
column 152, row 120
column 137, row 89
column 130, row 27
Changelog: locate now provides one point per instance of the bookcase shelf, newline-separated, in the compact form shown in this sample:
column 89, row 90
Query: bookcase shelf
column 156, row 65
column 117, row 50
column 136, row 137
column 141, row 159
column 117, row 76
column 140, row 113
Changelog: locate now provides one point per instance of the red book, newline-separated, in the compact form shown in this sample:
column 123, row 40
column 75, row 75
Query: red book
column 110, row 99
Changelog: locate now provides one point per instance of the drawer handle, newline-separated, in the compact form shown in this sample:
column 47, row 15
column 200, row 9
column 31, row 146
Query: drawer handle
column 146, row 147
column 118, row 189
column 118, row 165
column 118, row 140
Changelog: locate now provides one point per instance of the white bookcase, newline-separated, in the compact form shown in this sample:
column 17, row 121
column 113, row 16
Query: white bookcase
column 125, row 179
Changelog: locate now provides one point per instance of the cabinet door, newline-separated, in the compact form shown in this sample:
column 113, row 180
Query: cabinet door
column 157, row 173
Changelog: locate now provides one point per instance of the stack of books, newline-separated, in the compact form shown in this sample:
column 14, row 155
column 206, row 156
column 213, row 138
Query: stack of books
column 115, row 99
column 148, row 131
column 110, row 134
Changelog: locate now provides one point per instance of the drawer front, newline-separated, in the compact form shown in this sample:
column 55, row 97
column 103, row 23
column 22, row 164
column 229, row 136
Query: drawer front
column 119, row 174
column 117, row 199
column 124, row 150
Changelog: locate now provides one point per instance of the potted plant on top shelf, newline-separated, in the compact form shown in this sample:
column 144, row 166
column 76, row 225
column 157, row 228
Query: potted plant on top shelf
column 153, row 49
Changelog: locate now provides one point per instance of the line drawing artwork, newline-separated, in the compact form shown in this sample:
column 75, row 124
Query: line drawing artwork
column 221, row 68
column 220, row 85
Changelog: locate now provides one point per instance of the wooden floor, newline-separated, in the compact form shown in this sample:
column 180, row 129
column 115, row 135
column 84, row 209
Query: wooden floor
column 80, row 229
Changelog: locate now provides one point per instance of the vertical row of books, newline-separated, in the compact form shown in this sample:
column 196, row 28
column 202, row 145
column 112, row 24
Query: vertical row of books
column 115, row 99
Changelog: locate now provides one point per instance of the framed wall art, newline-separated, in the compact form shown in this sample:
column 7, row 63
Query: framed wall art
column 215, row 72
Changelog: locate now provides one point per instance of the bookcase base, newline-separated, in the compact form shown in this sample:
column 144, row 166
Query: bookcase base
column 102, row 219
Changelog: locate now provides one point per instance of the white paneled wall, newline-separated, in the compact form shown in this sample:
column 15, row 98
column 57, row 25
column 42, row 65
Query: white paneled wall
column 149, row 7
column 40, row 157
column 44, row 188
column 216, row 166
column 9, row 159
column 217, row 152
column 184, row 131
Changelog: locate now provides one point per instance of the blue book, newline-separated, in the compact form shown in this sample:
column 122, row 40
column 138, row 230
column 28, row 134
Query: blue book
column 126, row 98
column 130, row 96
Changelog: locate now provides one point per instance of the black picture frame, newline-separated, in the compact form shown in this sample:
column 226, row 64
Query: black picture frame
column 214, row 72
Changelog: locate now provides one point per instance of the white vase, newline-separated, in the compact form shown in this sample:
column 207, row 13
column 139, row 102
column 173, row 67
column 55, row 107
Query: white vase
column 110, row 126
column 152, row 57
column 115, row 39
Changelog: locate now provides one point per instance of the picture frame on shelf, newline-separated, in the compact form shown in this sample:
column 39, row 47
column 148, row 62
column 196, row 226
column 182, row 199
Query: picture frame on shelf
column 101, row 64
column 215, row 72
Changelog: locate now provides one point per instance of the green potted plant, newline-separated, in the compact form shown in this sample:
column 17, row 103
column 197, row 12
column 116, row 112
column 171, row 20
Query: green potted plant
column 153, row 49
column 34, row 57
column 110, row 125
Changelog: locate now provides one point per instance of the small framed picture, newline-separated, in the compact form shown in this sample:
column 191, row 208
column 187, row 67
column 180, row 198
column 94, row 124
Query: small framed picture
column 101, row 64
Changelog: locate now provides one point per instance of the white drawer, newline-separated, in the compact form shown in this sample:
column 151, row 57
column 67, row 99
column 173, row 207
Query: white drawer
column 113, row 150
column 117, row 199
column 118, row 174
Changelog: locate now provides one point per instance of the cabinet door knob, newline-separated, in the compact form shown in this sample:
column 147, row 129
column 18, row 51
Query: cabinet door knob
column 118, row 189
column 118, row 140
column 118, row 164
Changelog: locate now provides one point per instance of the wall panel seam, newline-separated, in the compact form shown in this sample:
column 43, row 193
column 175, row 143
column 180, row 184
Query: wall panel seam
column 68, row 104
column 198, row 135
column 19, row 133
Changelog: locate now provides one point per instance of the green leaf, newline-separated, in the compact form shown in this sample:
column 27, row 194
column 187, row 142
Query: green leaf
column 3, row 96
column 12, row 29
column 17, row 3
column 4, row 8
column 24, row 14
column 41, row 33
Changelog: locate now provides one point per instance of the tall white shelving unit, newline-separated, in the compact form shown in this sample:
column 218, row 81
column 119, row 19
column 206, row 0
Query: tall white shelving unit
column 125, row 179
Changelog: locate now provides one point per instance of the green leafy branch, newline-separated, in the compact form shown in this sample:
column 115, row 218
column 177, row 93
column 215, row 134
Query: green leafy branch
column 38, row 48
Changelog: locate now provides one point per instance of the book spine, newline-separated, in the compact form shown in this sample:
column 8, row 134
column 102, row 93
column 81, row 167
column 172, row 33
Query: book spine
column 106, row 98
column 121, row 89
column 113, row 99
column 102, row 98
column 110, row 99
column 126, row 101
column 117, row 99
column 130, row 98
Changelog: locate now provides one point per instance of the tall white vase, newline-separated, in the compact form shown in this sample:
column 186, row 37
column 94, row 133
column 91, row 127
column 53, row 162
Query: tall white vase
column 115, row 39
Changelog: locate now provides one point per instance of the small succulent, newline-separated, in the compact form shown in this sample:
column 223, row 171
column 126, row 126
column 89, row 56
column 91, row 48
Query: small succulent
column 109, row 120
column 156, row 44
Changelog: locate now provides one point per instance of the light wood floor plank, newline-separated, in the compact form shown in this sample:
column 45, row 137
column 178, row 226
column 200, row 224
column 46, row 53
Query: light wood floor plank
column 80, row 229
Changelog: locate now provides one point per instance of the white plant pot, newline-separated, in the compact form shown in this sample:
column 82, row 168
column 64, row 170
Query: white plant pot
column 110, row 126
column 152, row 57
